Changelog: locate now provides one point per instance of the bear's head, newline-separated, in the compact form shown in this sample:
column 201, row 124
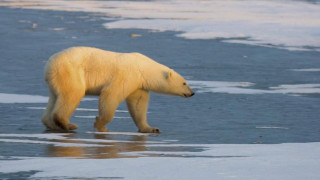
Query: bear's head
column 175, row 84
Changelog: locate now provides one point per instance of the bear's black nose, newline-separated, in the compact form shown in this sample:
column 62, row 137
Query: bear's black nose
column 192, row 94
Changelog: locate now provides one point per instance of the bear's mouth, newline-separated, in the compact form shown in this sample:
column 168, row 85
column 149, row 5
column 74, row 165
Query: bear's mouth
column 188, row 95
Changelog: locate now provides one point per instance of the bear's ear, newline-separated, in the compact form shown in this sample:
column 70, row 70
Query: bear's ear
column 168, row 74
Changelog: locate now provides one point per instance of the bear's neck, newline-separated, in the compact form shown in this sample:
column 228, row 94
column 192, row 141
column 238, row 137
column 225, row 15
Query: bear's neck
column 153, row 76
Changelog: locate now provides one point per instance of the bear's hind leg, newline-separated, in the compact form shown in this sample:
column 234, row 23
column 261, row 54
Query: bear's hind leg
column 64, row 107
column 137, row 104
column 46, row 120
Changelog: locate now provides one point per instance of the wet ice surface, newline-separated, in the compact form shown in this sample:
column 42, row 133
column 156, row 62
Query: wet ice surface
column 101, row 156
column 249, row 100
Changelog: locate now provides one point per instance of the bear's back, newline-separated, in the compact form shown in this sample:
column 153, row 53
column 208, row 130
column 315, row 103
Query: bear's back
column 93, row 61
column 79, row 55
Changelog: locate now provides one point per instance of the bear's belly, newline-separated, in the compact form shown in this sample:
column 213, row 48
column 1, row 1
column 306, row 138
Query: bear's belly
column 95, row 92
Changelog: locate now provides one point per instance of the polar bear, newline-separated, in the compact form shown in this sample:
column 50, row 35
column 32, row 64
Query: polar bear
column 114, row 77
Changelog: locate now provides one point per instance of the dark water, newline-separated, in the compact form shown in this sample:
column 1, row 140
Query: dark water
column 203, row 119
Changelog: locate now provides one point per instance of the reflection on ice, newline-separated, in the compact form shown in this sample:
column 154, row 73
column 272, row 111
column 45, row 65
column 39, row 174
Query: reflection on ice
column 55, row 144
column 100, row 145
column 208, row 161
column 109, row 148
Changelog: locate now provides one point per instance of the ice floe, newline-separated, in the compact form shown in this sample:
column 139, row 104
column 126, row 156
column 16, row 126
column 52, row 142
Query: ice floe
column 69, row 157
column 218, row 161
column 87, row 109
column 22, row 98
column 270, row 127
column 307, row 70
column 292, row 25
column 242, row 88
column 26, row 98
column 51, row 136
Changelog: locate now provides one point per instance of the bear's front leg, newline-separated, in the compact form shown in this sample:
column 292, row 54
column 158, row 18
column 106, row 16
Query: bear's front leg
column 108, row 104
column 137, row 104
column 99, row 125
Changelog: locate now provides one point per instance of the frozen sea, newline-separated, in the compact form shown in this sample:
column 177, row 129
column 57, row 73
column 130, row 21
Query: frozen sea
column 254, row 65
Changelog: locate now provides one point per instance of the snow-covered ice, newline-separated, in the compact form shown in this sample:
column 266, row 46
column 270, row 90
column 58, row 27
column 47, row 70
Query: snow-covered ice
column 22, row 98
column 307, row 70
column 243, row 88
column 219, row 161
column 292, row 25
column 76, row 158
column 26, row 98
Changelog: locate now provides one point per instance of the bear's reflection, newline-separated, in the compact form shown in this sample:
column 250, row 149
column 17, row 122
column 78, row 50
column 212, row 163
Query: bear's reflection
column 113, row 149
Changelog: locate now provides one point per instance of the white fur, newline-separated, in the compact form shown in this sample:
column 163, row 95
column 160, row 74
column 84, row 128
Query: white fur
column 77, row 71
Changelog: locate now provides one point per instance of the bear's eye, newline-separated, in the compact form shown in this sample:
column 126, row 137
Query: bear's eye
column 184, row 83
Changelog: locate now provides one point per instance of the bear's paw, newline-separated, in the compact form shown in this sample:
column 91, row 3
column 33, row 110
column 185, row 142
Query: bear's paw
column 150, row 130
column 72, row 126
column 100, row 126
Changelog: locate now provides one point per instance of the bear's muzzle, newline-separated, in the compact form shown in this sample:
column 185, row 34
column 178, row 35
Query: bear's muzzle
column 188, row 95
